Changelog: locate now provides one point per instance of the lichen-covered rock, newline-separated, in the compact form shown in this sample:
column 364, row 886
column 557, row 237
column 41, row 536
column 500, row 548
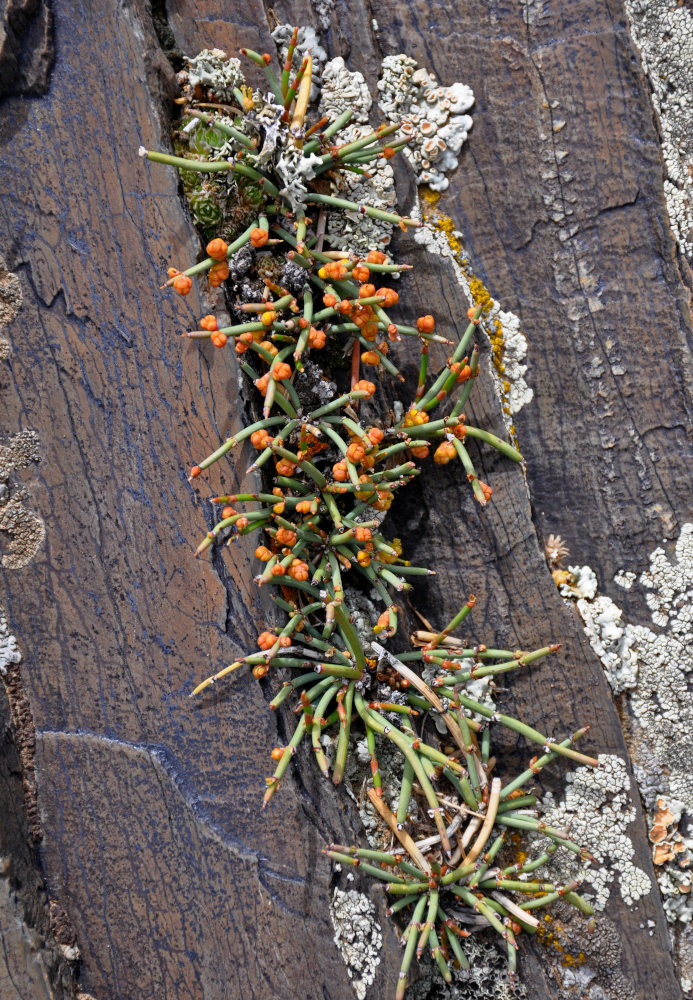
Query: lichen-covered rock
column 357, row 936
column 433, row 117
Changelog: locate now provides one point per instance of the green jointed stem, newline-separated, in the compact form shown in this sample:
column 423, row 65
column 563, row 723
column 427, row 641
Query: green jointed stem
column 405, row 791
column 224, row 128
column 453, row 940
column 427, row 927
column 203, row 166
column 539, row 764
column 273, row 782
column 236, row 439
column 463, row 456
column 496, row 442
column 343, row 738
column 392, row 733
column 409, row 939
column 437, row 954
column 375, row 770
column 336, row 126
column 429, row 397
column 316, row 730
column 456, row 621
column 532, row 734
column 466, row 391
column 374, row 213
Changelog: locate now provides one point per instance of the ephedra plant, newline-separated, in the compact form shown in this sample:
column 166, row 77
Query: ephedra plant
column 262, row 182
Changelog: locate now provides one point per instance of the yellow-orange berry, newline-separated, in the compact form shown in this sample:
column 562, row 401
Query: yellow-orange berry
column 316, row 338
column 355, row 451
column 216, row 249
column 384, row 501
column 486, row 490
column 286, row 537
column 420, row 451
column 340, row 471
column 182, row 284
column 268, row 317
column 219, row 339
column 262, row 383
column 281, row 371
column 209, row 323
column 444, row 453
column 277, row 753
column 228, row 512
column 426, row 324
column 383, row 622
column 370, row 358
column 365, row 386
column 259, row 237
column 366, row 291
column 360, row 273
column 363, row 534
column 362, row 316
column 260, row 439
column 263, row 553
column 218, row 273
column 414, row 418
column 376, row 257
column 285, row 467
column 391, row 298
column 299, row 570
column 266, row 640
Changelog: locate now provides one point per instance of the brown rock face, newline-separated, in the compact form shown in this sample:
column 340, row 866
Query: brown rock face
column 153, row 846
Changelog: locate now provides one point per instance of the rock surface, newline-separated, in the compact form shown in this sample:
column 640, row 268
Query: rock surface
column 173, row 881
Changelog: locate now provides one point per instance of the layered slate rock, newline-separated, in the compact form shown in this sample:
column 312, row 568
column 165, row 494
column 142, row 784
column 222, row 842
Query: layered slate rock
column 175, row 884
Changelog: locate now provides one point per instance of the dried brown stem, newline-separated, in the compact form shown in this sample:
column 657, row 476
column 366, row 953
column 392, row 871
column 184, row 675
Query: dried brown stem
column 405, row 840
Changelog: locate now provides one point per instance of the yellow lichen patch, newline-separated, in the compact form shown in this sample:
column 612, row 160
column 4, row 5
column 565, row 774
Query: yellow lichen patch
column 479, row 293
column 428, row 195
column 553, row 935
